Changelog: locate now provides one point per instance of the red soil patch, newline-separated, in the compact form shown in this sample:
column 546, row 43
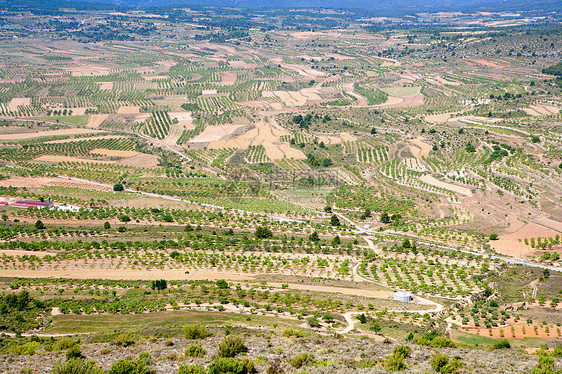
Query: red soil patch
column 519, row 331
column 487, row 63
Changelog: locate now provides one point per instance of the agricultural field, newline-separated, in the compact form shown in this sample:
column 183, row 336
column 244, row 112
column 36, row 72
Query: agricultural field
column 230, row 190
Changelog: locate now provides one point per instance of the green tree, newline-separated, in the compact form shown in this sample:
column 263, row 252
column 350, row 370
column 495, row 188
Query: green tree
column 159, row 285
column 314, row 237
column 385, row 218
column 334, row 220
column 118, row 187
column 263, row 232
column 106, row 225
column 221, row 283
column 39, row 225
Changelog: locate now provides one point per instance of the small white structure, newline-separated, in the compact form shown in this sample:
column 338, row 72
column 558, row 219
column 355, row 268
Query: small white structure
column 403, row 296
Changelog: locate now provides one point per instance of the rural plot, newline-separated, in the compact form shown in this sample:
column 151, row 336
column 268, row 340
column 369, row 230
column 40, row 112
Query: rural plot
column 266, row 135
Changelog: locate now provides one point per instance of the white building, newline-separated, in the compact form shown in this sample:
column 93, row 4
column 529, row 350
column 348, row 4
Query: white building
column 403, row 296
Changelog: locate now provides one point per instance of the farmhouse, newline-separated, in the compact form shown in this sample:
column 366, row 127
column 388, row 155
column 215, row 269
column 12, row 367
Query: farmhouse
column 30, row 204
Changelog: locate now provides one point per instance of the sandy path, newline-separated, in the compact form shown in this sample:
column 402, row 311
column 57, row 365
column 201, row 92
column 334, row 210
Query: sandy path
column 89, row 70
column 96, row 120
column 213, row 133
column 451, row 187
column 106, row 85
column 264, row 134
column 174, row 134
column 46, row 181
column 17, row 252
column 392, row 101
column 228, row 79
column 54, row 158
column 33, row 135
column 17, row 101
column 113, row 152
column 128, row 110
column 511, row 243
column 419, row 149
column 487, row 63
column 83, row 139
column 348, row 87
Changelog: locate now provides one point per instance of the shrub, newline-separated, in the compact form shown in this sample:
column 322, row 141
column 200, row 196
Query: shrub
column 275, row 368
column 402, row 350
column 191, row 369
column 494, row 236
column 395, row 363
column 441, row 363
column 125, row 340
column 263, row 232
column 64, row 344
column 442, row 342
column 231, row 366
column 74, row 352
column 77, row 367
column 195, row 331
column 288, row 333
column 28, row 348
column 362, row 318
column 39, row 225
column 195, row 350
column 502, row 344
column 128, row 367
column 299, row 361
column 231, row 346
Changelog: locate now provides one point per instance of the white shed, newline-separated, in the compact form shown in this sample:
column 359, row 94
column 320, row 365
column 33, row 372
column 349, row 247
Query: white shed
column 403, row 296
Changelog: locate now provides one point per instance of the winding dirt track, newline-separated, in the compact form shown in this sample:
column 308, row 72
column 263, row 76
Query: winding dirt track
column 349, row 315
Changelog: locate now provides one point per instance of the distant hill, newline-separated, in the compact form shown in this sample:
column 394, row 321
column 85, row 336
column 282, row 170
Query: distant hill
column 381, row 5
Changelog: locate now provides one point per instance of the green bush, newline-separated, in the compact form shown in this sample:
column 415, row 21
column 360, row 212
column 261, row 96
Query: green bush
column 442, row 342
column 263, row 232
column 76, row 367
column 231, row 346
column 441, row 363
column 402, row 350
column 231, row 366
column 125, row 340
column 28, row 348
column 74, row 352
column 299, row 361
column 128, row 367
column 195, row 350
column 502, row 344
column 290, row 332
column 395, row 363
column 191, row 369
column 64, row 344
column 196, row 331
